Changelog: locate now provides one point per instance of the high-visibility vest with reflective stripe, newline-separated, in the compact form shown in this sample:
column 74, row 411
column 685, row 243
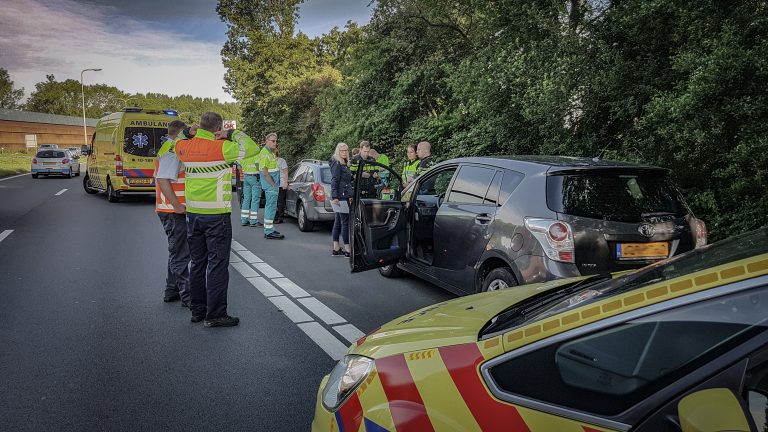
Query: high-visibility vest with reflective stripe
column 250, row 164
column 268, row 160
column 162, row 205
column 409, row 170
column 208, row 172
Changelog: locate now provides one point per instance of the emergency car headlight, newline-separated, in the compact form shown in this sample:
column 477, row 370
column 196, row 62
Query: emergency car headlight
column 349, row 373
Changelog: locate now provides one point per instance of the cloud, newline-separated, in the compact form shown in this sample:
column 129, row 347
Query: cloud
column 38, row 38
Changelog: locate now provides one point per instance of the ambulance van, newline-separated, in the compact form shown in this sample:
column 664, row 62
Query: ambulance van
column 121, row 157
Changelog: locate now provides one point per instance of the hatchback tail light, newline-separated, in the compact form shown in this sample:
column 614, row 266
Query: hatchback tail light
column 65, row 161
column 318, row 192
column 34, row 160
column 699, row 231
column 554, row 236
column 118, row 165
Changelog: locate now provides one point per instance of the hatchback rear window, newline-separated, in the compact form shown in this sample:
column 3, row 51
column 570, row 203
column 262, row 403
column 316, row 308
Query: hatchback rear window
column 325, row 175
column 615, row 195
column 50, row 154
column 144, row 141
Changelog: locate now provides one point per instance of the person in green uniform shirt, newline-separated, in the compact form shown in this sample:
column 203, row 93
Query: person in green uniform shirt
column 270, row 182
column 249, row 209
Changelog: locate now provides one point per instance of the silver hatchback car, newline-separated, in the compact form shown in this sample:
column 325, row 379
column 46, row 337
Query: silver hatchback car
column 55, row 162
column 308, row 197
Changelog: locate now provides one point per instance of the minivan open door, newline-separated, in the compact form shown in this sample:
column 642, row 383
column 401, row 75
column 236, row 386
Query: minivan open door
column 378, row 220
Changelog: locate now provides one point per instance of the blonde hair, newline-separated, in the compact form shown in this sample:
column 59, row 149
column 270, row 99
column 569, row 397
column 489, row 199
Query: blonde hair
column 337, row 155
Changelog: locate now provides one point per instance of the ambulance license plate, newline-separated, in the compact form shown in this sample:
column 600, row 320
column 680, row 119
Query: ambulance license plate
column 653, row 250
column 140, row 181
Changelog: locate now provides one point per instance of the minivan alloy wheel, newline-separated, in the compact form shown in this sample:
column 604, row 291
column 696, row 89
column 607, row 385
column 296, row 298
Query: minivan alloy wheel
column 498, row 278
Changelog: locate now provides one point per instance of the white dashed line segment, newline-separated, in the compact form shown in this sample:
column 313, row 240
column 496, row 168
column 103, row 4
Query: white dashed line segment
column 60, row 192
column 267, row 270
column 324, row 339
column 264, row 286
column 321, row 311
column 233, row 258
column 248, row 256
column 5, row 234
column 237, row 246
column 244, row 269
column 291, row 288
column 350, row 332
column 290, row 309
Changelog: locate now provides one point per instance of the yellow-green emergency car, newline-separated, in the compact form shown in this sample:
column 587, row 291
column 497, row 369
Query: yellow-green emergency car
column 681, row 345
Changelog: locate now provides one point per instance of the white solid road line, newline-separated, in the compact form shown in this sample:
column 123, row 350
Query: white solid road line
column 60, row 192
column 13, row 177
column 267, row 280
column 5, row 234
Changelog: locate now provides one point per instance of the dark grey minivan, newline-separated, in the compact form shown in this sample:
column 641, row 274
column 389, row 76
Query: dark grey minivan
column 480, row 224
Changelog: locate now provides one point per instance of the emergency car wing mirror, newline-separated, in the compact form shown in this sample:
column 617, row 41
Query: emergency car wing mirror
column 712, row 410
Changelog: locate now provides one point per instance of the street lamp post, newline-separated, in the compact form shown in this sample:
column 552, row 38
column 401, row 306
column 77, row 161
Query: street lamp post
column 82, row 93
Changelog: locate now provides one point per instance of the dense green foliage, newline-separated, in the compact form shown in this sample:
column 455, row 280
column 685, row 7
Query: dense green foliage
column 674, row 83
column 65, row 98
column 10, row 96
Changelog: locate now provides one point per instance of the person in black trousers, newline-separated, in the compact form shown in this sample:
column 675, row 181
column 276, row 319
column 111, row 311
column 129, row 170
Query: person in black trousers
column 341, row 193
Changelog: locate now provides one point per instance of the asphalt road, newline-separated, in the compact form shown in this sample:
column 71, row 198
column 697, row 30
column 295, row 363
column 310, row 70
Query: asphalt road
column 87, row 344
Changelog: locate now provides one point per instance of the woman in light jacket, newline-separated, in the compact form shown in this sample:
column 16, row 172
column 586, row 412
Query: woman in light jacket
column 341, row 194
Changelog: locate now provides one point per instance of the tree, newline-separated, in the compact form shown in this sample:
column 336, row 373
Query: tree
column 9, row 95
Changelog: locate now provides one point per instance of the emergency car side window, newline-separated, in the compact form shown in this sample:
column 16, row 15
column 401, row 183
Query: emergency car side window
column 756, row 394
column 611, row 370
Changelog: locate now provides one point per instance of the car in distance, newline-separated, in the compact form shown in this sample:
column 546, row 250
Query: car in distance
column 48, row 146
column 55, row 162
column 678, row 345
column 308, row 195
column 480, row 224
column 75, row 150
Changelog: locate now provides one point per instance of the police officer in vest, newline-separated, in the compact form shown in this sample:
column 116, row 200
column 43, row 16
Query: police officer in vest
column 169, row 205
column 410, row 165
column 424, row 153
column 249, row 209
column 207, row 158
column 270, row 182
column 370, row 174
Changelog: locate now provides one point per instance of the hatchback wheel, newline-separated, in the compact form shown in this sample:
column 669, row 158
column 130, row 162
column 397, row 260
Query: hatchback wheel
column 34, row 175
column 499, row 278
column 87, row 185
column 71, row 174
column 304, row 223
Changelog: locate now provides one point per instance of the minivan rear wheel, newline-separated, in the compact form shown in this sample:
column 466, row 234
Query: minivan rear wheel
column 391, row 271
column 499, row 278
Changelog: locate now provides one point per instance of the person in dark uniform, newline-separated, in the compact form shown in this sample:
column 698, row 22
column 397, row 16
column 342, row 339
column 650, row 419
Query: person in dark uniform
column 424, row 153
column 369, row 176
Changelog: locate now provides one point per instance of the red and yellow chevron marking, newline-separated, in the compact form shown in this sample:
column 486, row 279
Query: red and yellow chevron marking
column 441, row 389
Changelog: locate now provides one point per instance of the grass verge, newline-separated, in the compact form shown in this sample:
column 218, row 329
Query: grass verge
column 14, row 163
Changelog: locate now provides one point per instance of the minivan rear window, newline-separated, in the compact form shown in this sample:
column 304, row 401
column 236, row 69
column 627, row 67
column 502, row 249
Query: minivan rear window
column 50, row 154
column 144, row 141
column 616, row 196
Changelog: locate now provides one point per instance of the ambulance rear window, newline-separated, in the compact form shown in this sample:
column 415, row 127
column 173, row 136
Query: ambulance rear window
column 144, row 141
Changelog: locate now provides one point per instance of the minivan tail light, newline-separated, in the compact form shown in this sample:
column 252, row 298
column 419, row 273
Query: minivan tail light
column 554, row 236
column 318, row 192
column 118, row 165
column 700, row 232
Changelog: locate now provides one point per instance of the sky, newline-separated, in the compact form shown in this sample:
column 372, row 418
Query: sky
column 142, row 46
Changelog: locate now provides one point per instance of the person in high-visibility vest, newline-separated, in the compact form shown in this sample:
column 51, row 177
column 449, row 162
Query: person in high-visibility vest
column 410, row 165
column 249, row 209
column 270, row 182
column 207, row 158
column 370, row 174
column 383, row 159
column 169, row 205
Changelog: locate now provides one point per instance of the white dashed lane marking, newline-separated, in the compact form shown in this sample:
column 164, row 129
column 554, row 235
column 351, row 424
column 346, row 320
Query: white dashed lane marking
column 60, row 192
column 5, row 234
column 280, row 290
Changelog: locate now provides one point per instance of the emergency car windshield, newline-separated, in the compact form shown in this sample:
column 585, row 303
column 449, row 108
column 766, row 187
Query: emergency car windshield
column 600, row 287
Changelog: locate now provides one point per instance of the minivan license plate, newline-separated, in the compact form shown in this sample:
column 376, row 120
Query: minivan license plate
column 642, row 250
